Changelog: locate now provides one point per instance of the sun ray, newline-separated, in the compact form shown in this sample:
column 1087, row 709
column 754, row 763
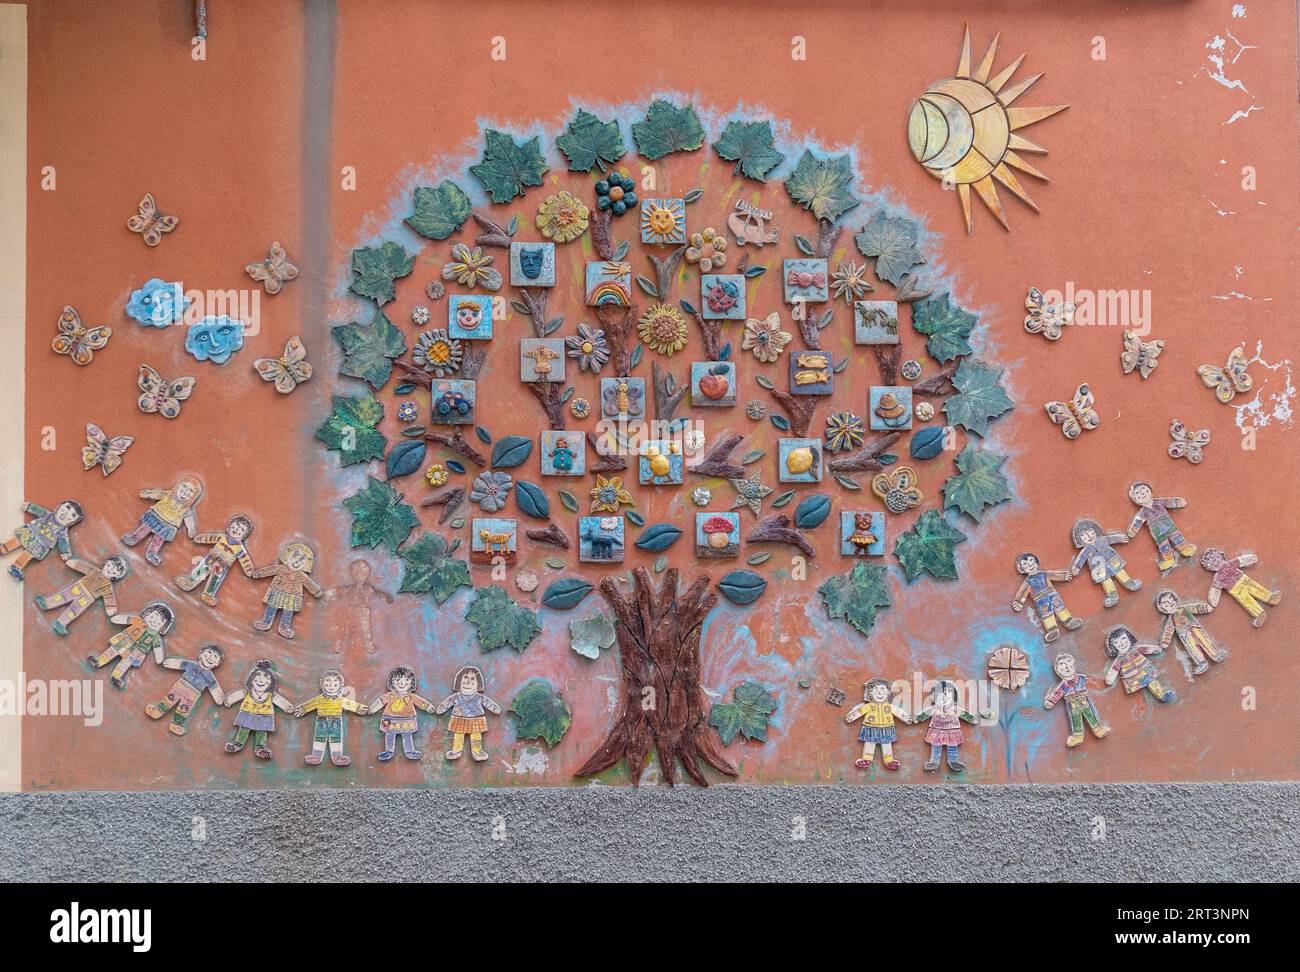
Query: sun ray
column 1023, row 117
column 986, row 64
column 963, row 63
column 1008, row 179
column 996, row 84
column 1012, row 159
column 989, row 193
column 1014, row 92
column 1022, row 144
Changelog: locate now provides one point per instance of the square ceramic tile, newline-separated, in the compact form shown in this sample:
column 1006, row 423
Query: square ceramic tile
column 452, row 401
column 805, row 280
column 660, row 462
column 622, row 398
column 609, row 282
column 469, row 317
column 717, row 535
column 564, row 453
column 799, row 460
column 600, row 539
column 532, row 264
column 862, row 533
column 663, row 222
column 491, row 537
column 541, row 359
column 875, row 322
column 713, row 383
column 722, row 296
column 811, row 372
column 890, row 407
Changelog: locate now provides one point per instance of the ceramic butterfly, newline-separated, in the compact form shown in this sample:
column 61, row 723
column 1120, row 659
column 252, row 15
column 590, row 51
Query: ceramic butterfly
column 273, row 272
column 898, row 489
column 1046, row 318
column 1139, row 354
column 1075, row 415
column 161, row 396
column 76, row 340
column 102, row 451
column 1228, row 380
column 1186, row 443
column 150, row 223
column 289, row 370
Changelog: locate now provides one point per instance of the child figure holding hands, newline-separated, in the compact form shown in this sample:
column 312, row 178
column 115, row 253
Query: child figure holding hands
column 877, row 711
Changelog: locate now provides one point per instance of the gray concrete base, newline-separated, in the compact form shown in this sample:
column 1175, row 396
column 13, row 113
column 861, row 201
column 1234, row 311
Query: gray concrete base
column 1192, row 832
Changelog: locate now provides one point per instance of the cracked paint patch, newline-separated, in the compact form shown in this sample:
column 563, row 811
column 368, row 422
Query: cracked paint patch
column 1223, row 51
column 531, row 761
column 1271, row 404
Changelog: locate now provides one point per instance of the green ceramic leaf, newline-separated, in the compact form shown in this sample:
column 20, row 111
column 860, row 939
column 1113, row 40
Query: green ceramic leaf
column 540, row 712
column 532, row 500
column 569, row 500
column 565, row 593
column 856, row 596
column 979, row 397
column 891, row 240
column 428, row 568
column 351, row 431
column 745, row 715
column 742, row 586
column 978, row 484
column 667, row 128
column 499, row 621
column 946, row 326
column 511, row 451
column 589, row 142
column 439, row 210
column 590, row 636
column 405, row 458
column 509, row 167
column 379, row 517
column 375, row 269
column 749, row 145
column 369, row 349
column 812, row 511
column 823, row 186
column 928, row 547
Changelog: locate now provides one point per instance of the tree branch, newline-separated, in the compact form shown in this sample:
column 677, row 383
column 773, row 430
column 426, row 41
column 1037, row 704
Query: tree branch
column 550, row 395
column 601, row 228
column 909, row 291
column 668, row 394
column 617, row 322
column 866, row 457
column 777, row 529
column 534, row 299
column 551, row 535
column 449, row 499
column 494, row 233
column 938, row 384
column 666, row 270
column 828, row 235
column 613, row 462
column 711, row 331
column 799, row 409
column 457, row 443
column 717, row 461
column 887, row 357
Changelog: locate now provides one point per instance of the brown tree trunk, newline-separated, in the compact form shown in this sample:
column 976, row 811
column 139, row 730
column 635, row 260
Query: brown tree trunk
column 663, row 705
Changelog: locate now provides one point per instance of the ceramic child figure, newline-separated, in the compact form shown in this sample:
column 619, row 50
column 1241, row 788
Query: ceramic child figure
column 1154, row 512
column 1105, row 565
column 1047, row 601
column 1073, row 688
column 291, row 577
column 196, row 678
column 356, row 597
column 1241, row 587
column 48, row 531
column 469, row 708
column 1181, row 619
column 172, row 509
column 399, row 704
column 257, row 700
column 946, row 717
column 877, row 711
column 94, row 584
column 329, row 707
column 229, row 547
column 143, row 636
column 1129, row 662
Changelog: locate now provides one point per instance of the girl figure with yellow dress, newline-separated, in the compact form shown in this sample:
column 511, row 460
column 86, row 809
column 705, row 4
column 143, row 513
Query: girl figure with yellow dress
column 877, row 712
column 469, row 708
column 257, row 702
column 399, row 716
column 143, row 636
column 172, row 509
column 291, row 577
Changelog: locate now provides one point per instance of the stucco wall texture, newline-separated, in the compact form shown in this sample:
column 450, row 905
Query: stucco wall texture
column 1172, row 832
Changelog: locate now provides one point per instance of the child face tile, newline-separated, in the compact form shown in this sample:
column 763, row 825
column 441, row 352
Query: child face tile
column 490, row 538
column 600, row 539
column 452, row 401
column 862, row 533
column 800, row 460
column 661, row 463
column 717, row 535
column 805, row 280
column 563, row 453
column 891, row 407
column 713, row 383
column 875, row 322
column 469, row 317
column 541, row 359
column 811, row 373
column 722, row 296
column 532, row 264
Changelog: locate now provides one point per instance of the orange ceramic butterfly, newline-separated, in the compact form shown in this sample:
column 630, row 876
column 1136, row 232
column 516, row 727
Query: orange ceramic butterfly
column 289, row 370
column 161, row 396
column 150, row 223
column 273, row 272
column 78, row 341
column 102, row 451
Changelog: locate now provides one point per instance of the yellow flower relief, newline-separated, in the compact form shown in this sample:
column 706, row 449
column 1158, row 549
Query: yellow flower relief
column 436, row 474
column 662, row 328
column 608, row 495
column 562, row 217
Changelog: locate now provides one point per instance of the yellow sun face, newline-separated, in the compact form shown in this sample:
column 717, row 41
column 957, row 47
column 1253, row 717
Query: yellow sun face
column 963, row 130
